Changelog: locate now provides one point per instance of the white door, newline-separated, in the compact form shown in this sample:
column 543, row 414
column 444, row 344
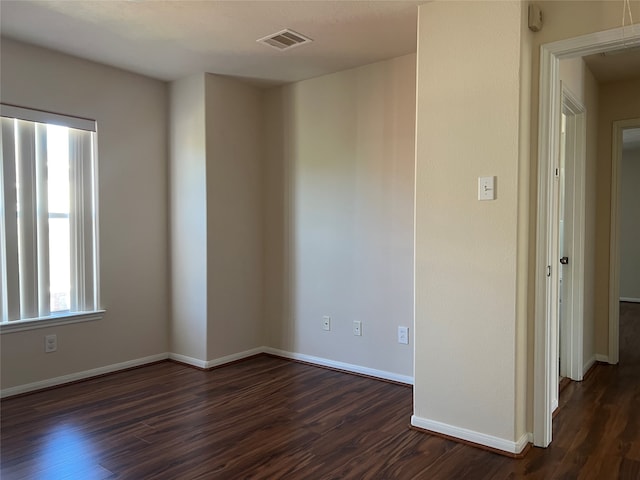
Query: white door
column 564, row 276
column 569, row 260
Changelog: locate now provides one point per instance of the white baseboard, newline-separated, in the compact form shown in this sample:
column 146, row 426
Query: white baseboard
column 554, row 404
column 522, row 442
column 233, row 357
column 72, row 377
column 589, row 363
column 602, row 358
column 348, row 367
column 52, row 382
column 195, row 362
column 472, row 436
column 630, row 299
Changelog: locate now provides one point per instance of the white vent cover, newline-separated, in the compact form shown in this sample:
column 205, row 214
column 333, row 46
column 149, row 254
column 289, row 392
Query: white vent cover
column 284, row 39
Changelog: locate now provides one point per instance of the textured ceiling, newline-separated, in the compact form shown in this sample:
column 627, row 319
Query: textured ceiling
column 174, row 39
column 615, row 66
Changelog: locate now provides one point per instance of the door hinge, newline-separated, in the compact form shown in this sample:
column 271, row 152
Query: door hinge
column 557, row 172
column 548, row 270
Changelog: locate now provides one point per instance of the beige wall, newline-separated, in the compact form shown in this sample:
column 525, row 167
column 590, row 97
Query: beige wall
column 188, row 217
column 339, row 221
column 618, row 101
column 234, row 216
column 572, row 76
column 570, row 18
column 467, row 324
column 131, row 113
column 630, row 225
column 522, row 268
column 452, row 90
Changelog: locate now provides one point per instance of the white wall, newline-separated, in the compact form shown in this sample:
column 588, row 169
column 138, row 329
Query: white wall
column 339, row 221
column 630, row 225
column 186, row 202
column 188, row 217
column 234, row 216
column 131, row 113
column 216, row 218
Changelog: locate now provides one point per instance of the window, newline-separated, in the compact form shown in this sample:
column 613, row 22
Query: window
column 48, row 219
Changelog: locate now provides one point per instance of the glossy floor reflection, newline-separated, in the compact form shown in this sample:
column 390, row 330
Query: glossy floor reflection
column 268, row 418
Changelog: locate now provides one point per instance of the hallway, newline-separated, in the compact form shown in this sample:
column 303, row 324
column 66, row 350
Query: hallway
column 597, row 430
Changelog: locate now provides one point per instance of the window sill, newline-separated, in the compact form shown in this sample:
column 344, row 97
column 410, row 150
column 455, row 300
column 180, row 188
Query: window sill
column 51, row 321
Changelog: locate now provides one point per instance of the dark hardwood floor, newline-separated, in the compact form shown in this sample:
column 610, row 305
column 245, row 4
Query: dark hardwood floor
column 268, row 418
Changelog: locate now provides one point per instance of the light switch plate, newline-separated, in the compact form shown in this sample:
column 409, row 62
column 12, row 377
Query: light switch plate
column 486, row 188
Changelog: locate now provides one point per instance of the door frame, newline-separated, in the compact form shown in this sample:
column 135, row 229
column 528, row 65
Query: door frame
column 545, row 349
column 614, row 237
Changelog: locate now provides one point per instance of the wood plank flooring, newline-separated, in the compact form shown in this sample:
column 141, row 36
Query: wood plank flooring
column 268, row 418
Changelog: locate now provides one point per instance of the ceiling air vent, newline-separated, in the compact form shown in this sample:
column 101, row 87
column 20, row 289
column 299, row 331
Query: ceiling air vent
column 284, row 39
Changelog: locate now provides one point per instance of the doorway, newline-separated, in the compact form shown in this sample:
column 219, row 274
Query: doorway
column 622, row 128
column 546, row 282
column 568, row 232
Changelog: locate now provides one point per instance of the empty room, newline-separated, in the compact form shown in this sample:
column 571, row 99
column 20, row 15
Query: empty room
column 319, row 239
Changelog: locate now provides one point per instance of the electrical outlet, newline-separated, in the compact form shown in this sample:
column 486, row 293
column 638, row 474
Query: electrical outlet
column 50, row 343
column 326, row 322
column 403, row 335
column 357, row 328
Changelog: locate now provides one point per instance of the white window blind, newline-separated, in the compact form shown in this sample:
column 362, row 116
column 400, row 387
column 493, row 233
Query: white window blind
column 48, row 215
